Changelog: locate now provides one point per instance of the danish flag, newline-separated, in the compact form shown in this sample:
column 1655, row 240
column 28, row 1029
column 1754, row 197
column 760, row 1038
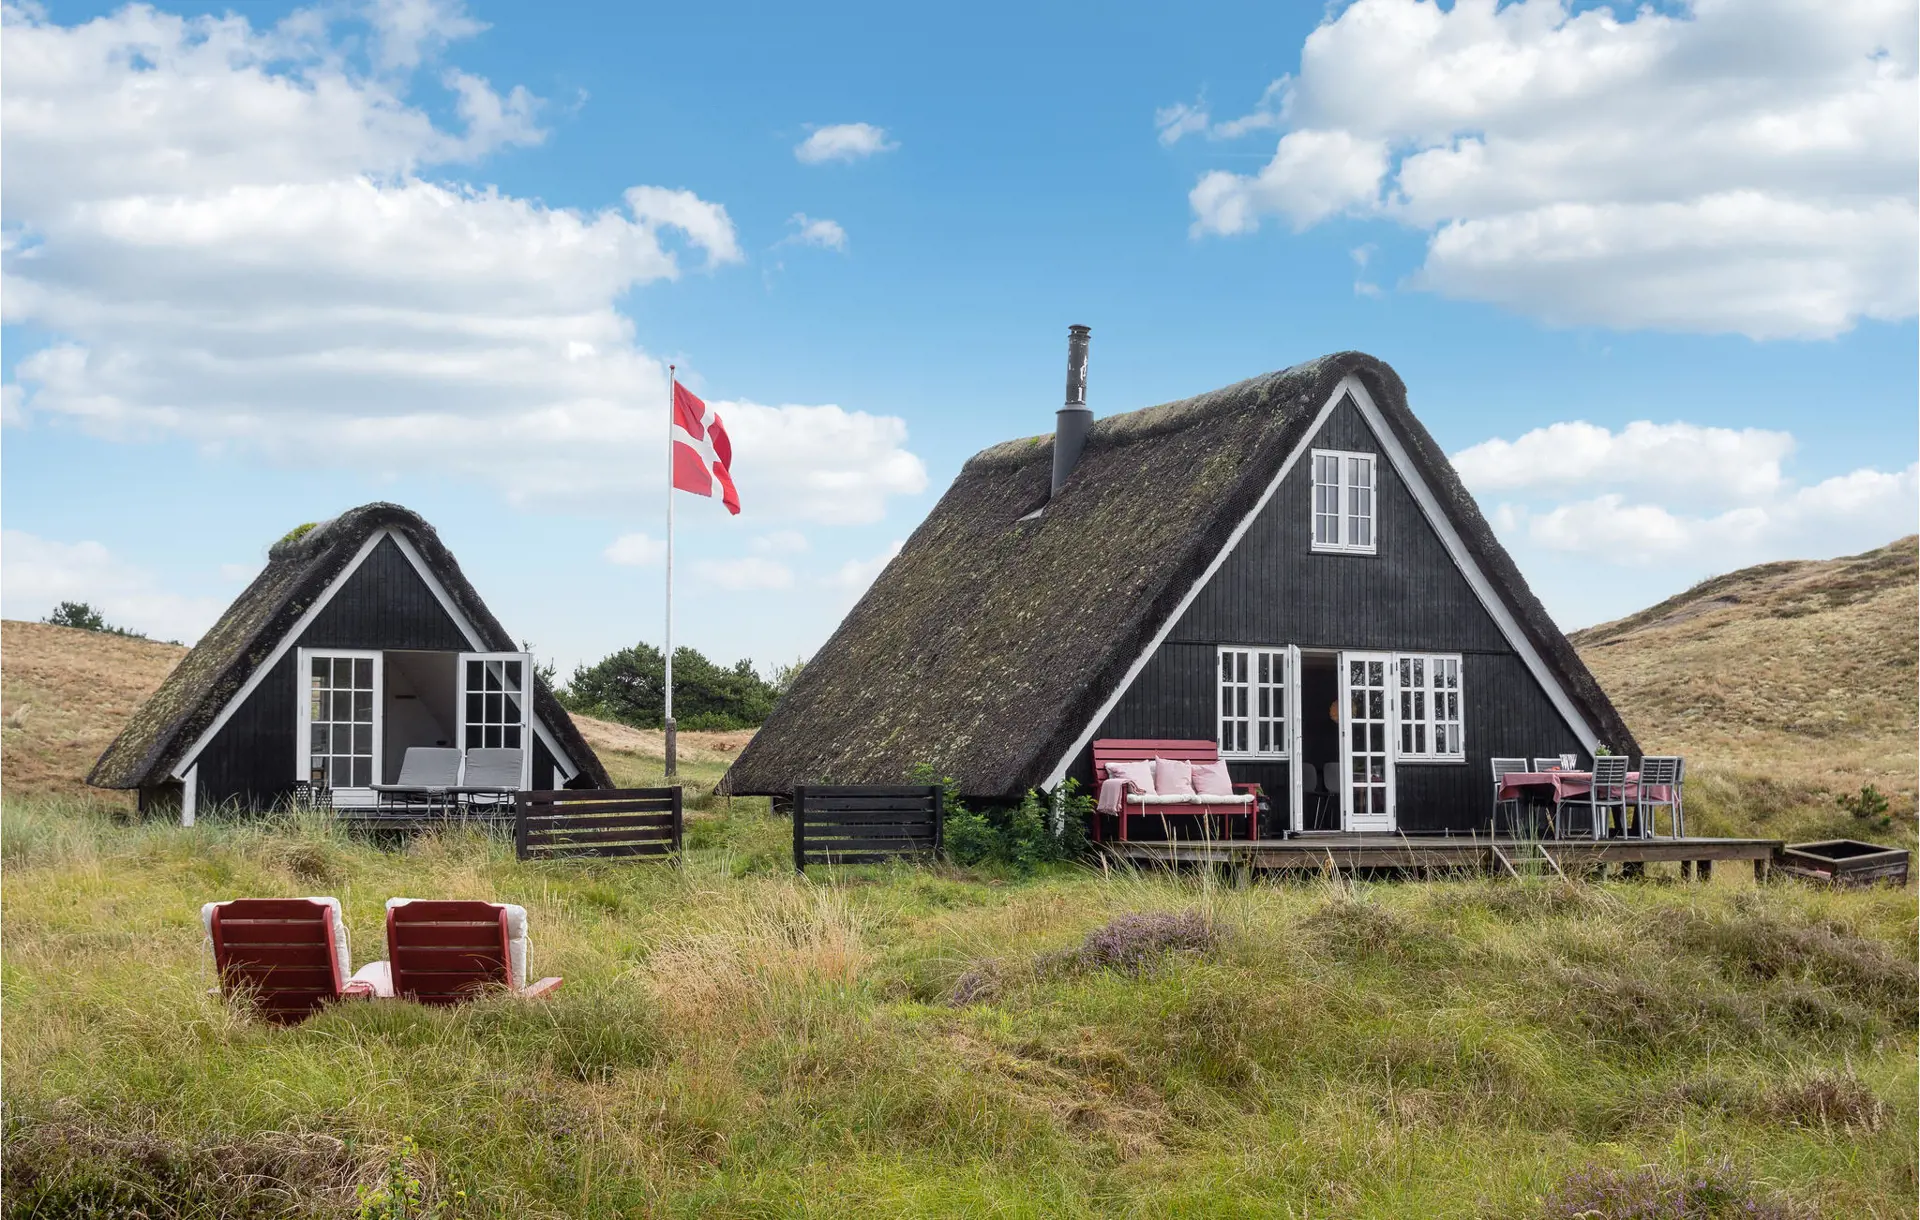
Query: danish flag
column 701, row 451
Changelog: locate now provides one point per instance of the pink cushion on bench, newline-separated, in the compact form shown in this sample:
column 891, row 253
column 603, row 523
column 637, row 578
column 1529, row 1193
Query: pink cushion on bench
column 1211, row 779
column 1139, row 774
column 1173, row 777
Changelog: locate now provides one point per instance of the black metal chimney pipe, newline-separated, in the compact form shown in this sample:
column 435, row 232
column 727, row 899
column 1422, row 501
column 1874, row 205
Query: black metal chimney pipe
column 1073, row 421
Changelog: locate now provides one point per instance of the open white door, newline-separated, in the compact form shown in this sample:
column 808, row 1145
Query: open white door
column 1296, row 752
column 340, row 722
column 1367, row 736
column 495, row 698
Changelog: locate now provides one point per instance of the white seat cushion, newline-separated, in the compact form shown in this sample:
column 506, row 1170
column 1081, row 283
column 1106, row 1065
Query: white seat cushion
column 1242, row 799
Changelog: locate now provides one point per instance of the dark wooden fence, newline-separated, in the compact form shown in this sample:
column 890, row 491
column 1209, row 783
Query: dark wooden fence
column 598, row 822
column 865, row 823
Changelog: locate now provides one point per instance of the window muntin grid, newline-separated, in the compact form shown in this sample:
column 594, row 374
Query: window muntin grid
column 1344, row 501
column 340, row 720
column 1431, row 717
column 495, row 712
column 1252, row 702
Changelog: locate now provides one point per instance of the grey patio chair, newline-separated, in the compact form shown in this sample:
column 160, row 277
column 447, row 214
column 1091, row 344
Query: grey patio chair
column 1503, row 767
column 491, row 776
column 426, row 775
column 1330, row 779
column 1314, row 793
column 1609, row 793
column 1659, row 789
column 1549, row 764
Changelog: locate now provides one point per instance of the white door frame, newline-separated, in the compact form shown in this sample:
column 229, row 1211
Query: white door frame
column 303, row 701
column 526, row 706
column 1390, row 735
column 1296, row 752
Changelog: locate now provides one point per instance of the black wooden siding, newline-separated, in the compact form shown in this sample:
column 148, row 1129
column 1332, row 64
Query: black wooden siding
column 384, row 605
column 1409, row 596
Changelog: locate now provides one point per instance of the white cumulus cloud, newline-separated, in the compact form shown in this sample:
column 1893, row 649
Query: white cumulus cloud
column 811, row 231
column 746, row 574
column 231, row 236
column 37, row 574
column 636, row 550
column 843, row 142
column 1742, row 166
column 1697, row 499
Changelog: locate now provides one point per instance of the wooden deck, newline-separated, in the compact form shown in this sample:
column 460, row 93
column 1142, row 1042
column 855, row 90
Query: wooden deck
column 1319, row 852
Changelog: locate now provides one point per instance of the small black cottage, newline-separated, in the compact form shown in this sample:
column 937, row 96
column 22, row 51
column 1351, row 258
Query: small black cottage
column 1250, row 566
column 361, row 638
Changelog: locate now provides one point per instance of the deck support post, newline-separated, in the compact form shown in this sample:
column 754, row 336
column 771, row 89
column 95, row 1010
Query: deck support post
column 1704, row 870
column 1686, row 870
column 1761, row 869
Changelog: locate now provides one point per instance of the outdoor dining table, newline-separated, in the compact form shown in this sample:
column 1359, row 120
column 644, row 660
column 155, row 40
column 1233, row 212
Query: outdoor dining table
column 1567, row 785
column 1555, row 787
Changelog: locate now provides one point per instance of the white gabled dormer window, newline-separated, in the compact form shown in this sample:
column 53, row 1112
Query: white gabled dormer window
column 1343, row 500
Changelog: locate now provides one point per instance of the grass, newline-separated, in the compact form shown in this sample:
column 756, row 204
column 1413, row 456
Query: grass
column 734, row 1041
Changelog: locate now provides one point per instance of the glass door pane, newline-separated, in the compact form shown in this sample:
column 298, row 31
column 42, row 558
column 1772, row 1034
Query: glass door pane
column 1366, row 745
column 341, row 712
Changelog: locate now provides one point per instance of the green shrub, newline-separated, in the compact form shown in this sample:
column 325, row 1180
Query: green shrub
column 1043, row 828
column 630, row 687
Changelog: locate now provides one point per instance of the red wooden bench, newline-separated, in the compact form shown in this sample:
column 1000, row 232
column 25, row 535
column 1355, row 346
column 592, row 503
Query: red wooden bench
column 1119, row 749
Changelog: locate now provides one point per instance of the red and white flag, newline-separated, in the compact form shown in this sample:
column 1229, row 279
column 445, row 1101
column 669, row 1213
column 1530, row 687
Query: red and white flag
column 701, row 451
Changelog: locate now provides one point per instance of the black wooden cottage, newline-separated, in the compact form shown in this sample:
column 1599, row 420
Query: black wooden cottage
column 1247, row 566
column 361, row 638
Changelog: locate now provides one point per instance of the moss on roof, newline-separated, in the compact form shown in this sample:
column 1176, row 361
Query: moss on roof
column 300, row 567
column 990, row 641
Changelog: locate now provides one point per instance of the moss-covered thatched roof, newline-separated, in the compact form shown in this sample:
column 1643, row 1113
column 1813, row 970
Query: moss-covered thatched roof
column 299, row 569
column 991, row 640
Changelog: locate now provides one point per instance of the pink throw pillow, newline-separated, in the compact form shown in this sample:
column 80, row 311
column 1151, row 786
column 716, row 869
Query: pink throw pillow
column 1173, row 777
column 1211, row 779
column 1139, row 774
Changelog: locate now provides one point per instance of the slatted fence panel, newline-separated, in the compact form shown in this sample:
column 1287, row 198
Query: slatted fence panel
column 865, row 823
column 600, row 822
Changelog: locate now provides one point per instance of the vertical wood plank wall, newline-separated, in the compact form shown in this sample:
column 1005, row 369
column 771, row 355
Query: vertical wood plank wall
column 384, row 605
column 1275, row 590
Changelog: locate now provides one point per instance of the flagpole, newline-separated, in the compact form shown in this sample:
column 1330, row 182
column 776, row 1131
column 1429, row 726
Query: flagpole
column 673, row 767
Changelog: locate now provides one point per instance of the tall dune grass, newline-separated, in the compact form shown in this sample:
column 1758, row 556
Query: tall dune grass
column 733, row 1040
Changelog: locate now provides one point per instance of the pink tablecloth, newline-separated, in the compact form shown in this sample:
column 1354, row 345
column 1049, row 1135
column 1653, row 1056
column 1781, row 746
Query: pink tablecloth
column 1557, row 786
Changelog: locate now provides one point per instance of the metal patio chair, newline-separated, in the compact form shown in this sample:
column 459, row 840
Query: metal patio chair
column 490, row 777
column 1659, row 789
column 1503, row 767
column 1608, row 793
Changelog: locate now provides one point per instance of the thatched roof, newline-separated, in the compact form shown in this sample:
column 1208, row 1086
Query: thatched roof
column 299, row 568
column 989, row 643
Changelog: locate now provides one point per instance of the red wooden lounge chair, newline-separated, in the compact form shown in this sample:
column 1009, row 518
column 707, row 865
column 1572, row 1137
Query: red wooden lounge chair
column 447, row 952
column 286, row 955
column 1134, row 804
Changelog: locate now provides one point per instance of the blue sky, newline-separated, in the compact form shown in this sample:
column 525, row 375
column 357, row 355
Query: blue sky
column 1650, row 277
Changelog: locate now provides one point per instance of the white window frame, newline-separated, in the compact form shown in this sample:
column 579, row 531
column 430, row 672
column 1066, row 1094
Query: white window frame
column 1424, row 713
column 1280, row 694
column 1347, row 493
column 303, row 698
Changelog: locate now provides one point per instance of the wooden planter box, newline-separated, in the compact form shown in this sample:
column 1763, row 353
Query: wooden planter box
column 1844, row 862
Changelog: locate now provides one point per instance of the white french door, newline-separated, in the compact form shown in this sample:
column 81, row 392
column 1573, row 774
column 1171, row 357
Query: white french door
column 340, row 721
column 1367, row 736
column 496, row 690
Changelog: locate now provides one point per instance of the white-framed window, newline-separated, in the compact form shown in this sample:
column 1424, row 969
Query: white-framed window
column 340, row 703
column 1343, row 502
column 1252, row 702
column 1431, row 722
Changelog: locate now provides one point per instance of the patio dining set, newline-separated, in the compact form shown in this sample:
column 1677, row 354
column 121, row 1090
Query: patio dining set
column 1610, row 801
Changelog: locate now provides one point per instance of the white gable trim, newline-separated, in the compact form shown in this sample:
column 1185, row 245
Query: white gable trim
column 478, row 643
column 1430, row 507
column 299, row 628
column 280, row 649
